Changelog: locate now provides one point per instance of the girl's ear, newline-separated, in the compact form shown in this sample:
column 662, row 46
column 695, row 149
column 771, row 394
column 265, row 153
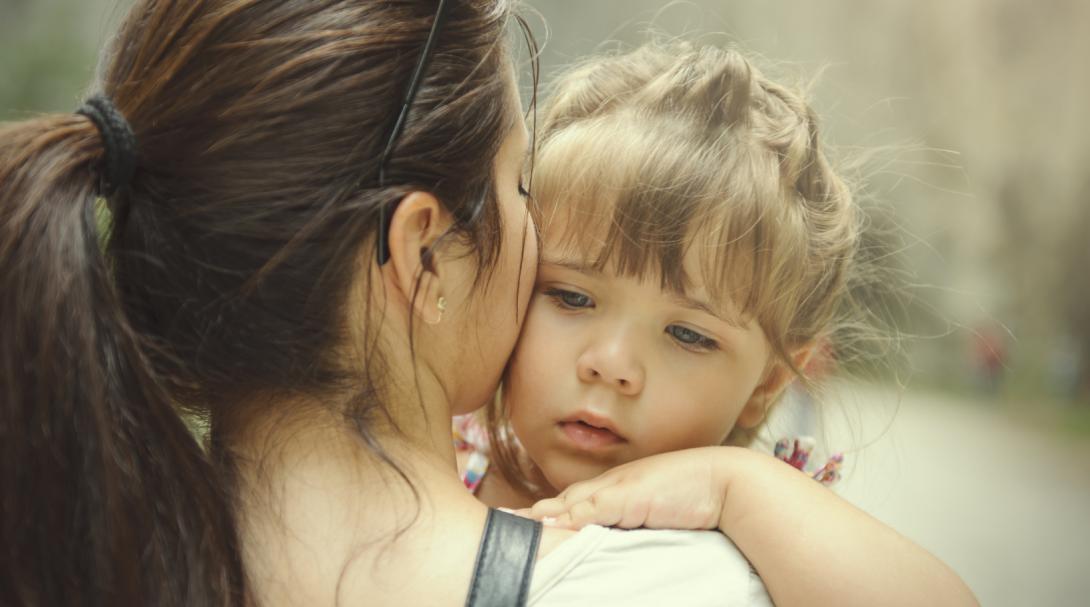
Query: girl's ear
column 769, row 390
column 416, row 225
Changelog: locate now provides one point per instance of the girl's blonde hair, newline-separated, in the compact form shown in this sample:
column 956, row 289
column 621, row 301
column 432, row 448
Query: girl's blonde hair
column 647, row 154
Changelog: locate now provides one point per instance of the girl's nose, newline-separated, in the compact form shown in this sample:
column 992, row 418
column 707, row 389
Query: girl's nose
column 613, row 362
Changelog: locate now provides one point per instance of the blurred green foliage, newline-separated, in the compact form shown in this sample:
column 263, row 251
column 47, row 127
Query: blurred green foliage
column 48, row 52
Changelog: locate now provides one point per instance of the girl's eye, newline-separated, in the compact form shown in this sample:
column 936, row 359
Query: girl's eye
column 691, row 339
column 570, row 299
column 523, row 191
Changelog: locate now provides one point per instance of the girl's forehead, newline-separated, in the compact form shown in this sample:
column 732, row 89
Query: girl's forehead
column 644, row 209
column 691, row 278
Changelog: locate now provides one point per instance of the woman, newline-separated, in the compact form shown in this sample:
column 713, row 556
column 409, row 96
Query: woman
column 318, row 244
column 251, row 154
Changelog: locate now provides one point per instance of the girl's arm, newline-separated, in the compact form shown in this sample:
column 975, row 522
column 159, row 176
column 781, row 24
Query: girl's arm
column 809, row 546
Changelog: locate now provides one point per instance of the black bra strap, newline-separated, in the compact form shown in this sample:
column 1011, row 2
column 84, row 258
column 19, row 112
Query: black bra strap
column 505, row 561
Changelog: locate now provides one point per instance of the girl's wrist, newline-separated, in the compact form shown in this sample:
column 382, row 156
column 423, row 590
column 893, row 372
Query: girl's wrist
column 748, row 480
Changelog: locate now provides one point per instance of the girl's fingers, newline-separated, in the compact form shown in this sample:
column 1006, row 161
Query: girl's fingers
column 552, row 507
column 636, row 512
column 581, row 491
column 609, row 507
column 584, row 513
column 563, row 521
column 576, row 514
column 575, row 493
column 595, row 501
column 616, row 506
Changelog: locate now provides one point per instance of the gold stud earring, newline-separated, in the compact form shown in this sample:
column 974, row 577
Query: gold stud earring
column 441, row 305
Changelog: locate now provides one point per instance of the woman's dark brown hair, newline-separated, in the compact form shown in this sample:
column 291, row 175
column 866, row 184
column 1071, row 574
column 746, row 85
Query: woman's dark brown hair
column 224, row 274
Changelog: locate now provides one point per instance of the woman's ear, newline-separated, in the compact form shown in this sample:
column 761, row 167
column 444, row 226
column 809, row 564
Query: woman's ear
column 416, row 225
column 768, row 391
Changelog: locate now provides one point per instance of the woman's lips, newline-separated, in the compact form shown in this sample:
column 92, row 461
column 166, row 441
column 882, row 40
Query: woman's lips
column 586, row 436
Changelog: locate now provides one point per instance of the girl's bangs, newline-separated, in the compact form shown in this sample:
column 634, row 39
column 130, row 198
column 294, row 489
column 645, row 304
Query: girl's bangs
column 636, row 201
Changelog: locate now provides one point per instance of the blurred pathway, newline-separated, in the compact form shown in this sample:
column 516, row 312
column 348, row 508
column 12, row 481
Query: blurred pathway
column 1008, row 507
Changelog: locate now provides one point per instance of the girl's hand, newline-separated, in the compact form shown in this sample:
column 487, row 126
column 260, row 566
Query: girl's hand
column 809, row 546
column 678, row 490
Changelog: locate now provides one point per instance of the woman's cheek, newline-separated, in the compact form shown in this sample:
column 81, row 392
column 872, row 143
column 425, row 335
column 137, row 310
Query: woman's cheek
column 532, row 361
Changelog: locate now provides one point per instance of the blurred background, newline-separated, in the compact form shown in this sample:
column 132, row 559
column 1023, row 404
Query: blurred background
column 974, row 115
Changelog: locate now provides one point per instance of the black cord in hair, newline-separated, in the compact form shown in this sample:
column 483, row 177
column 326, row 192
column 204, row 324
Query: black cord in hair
column 385, row 217
column 118, row 141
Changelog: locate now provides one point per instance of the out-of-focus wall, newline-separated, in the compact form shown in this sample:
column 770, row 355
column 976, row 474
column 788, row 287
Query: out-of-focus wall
column 977, row 112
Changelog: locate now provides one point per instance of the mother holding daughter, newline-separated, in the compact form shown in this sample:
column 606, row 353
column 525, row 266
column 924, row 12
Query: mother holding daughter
column 319, row 243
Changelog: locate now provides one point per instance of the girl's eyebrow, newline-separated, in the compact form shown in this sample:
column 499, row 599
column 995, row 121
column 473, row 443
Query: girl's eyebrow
column 686, row 301
column 571, row 264
column 681, row 299
column 692, row 303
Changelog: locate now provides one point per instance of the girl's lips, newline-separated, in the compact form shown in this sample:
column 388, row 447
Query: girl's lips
column 588, row 437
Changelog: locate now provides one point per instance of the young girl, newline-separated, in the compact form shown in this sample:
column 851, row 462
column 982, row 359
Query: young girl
column 696, row 245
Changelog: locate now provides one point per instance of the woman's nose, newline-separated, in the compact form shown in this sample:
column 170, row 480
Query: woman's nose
column 614, row 362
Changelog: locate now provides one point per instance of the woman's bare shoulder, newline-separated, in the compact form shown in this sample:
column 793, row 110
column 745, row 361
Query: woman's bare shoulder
column 322, row 531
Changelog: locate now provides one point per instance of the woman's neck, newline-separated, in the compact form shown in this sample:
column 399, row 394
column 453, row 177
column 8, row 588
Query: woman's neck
column 415, row 415
column 318, row 502
column 407, row 436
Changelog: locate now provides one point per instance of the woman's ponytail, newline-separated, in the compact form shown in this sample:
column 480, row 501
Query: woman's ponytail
column 105, row 497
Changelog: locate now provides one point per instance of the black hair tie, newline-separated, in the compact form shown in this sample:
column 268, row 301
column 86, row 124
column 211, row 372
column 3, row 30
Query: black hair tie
column 118, row 140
